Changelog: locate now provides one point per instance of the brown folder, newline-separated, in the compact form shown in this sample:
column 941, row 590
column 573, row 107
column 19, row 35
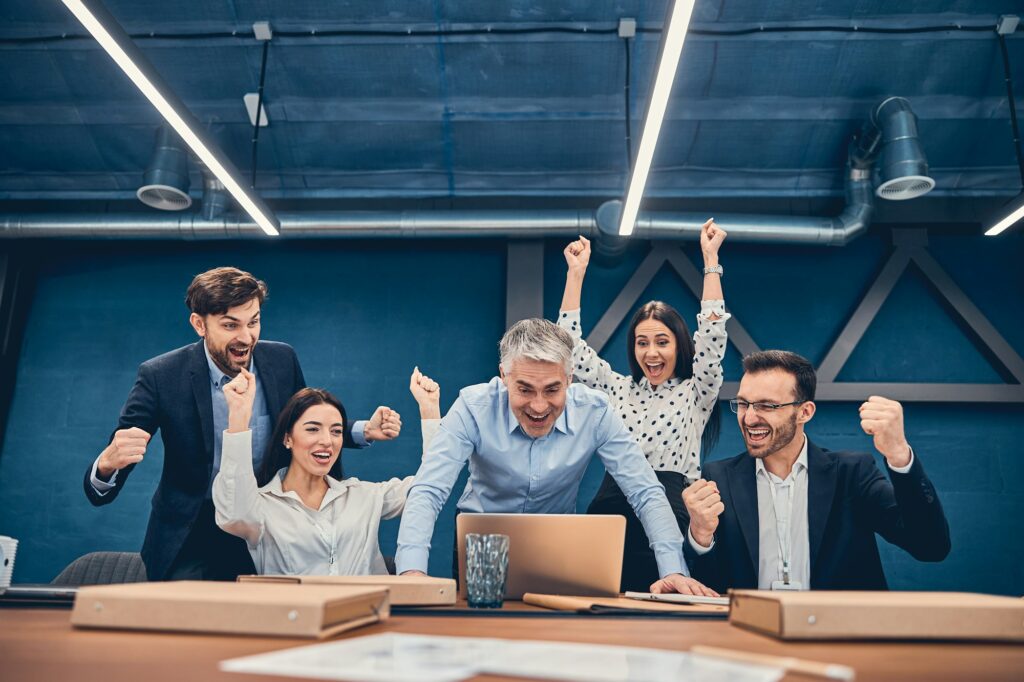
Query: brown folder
column 608, row 604
column 878, row 615
column 314, row 611
column 403, row 590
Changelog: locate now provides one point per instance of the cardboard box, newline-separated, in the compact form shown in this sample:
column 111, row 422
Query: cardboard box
column 314, row 611
column 403, row 590
column 878, row 615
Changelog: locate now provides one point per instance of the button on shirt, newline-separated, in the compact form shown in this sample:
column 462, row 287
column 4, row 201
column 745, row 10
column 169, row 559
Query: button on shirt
column 259, row 424
column 786, row 511
column 511, row 472
column 667, row 420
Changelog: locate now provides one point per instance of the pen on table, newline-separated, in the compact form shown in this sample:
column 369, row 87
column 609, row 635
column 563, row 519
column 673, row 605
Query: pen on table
column 830, row 671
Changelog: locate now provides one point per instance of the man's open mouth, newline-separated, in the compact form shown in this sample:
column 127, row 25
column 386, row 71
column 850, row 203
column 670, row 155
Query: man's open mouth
column 537, row 420
column 758, row 434
column 238, row 353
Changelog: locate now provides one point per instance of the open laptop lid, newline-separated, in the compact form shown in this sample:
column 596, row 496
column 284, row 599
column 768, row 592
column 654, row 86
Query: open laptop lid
column 569, row 554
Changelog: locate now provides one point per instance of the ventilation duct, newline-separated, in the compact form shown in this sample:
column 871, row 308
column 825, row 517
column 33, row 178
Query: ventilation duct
column 165, row 183
column 890, row 136
column 215, row 196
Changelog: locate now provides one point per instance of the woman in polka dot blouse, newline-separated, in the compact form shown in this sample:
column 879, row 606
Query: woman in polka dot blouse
column 668, row 402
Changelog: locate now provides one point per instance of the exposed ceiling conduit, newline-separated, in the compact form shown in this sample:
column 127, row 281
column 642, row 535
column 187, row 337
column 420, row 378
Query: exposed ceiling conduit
column 433, row 224
column 891, row 120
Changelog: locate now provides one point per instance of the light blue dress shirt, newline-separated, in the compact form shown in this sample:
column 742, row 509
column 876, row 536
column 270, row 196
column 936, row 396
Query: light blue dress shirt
column 511, row 472
column 259, row 423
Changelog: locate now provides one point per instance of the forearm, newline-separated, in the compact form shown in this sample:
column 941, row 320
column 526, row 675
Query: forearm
column 573, row 289
column 235, row 490
column 712, row 281
column 418, row 519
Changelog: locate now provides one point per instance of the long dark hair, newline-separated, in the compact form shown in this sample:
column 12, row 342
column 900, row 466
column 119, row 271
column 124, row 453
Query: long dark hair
column 668, row 316
column 277, row 455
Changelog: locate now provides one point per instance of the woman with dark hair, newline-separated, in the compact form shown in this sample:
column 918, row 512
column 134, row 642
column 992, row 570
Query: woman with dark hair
column 301, row 516
column 670, row 401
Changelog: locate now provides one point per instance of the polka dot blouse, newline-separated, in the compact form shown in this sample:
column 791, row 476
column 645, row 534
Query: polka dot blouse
column 666, row 420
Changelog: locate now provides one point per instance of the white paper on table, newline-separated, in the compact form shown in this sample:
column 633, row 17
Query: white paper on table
column 425, row 658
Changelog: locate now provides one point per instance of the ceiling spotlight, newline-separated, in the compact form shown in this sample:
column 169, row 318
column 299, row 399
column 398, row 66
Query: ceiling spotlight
column 165, row 183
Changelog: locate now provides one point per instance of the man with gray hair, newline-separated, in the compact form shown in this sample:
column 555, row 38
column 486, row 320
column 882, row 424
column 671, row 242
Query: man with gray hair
column 528, row 436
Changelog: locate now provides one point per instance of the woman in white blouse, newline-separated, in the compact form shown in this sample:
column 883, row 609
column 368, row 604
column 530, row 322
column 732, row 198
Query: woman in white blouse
column 669, row 401
column 301, row 517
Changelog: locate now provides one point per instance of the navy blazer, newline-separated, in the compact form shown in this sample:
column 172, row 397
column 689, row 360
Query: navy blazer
column 848, row 501
column 172, row 394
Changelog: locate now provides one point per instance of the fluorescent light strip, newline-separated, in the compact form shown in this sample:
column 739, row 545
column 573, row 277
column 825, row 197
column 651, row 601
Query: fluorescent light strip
column 675, row 35
column 1008, row 221
column 107, row 42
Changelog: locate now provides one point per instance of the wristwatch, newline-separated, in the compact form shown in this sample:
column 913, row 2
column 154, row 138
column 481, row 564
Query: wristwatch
column 717, row 270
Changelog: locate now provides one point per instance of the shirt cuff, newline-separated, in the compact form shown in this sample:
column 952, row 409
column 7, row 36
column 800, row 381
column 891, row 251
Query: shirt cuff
column 670, row 562
column 101, row 487
column 412, row 559
column 714, row 306
column 906, row 469
column 696, row 547
column 358, row 437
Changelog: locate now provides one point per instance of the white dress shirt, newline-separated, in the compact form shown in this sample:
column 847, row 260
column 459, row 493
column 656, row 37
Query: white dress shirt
column 285, row 536
column 785, row 512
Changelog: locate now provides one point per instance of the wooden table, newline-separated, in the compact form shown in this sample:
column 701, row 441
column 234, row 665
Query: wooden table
column 40, row 644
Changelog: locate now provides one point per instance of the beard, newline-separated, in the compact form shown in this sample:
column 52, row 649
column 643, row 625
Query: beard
column 779, row 438
column 223, row 360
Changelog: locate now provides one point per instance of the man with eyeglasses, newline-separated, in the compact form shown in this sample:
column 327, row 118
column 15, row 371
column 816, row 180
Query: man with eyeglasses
column 789, row 515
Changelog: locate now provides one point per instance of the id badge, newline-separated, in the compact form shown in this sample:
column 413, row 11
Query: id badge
column 791, row 586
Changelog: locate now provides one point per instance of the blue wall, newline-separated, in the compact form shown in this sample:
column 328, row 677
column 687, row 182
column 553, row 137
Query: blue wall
column 361, row 314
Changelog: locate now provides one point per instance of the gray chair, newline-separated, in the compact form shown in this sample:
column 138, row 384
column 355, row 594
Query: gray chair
column 103, row 568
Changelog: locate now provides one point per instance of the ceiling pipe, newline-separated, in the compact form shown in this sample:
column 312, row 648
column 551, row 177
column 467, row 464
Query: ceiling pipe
column 600, row 225
column 434, row 224
column 454, row 224
column 837, row 231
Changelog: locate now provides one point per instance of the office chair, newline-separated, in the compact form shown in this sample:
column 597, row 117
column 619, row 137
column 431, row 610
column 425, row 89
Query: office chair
column 102, row 568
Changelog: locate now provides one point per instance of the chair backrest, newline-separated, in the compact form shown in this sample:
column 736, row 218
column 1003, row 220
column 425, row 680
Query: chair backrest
column 103, row 568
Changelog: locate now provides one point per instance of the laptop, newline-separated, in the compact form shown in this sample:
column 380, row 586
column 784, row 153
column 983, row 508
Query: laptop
column 568, row 554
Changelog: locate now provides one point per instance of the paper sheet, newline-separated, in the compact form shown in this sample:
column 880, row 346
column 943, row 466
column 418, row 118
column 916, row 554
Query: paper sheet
column 425, row 658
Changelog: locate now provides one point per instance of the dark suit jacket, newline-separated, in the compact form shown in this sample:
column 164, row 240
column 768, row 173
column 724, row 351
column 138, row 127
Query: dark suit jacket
column 848, row 501
column 172, row 394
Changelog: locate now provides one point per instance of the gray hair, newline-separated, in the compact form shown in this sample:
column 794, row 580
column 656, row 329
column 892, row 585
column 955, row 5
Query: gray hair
column 536, row 339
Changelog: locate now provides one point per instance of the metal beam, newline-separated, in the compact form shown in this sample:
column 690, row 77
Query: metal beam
column 687, row 271
column 624, row 302
column 862, row 317
column 969, row 313
column 524, row 280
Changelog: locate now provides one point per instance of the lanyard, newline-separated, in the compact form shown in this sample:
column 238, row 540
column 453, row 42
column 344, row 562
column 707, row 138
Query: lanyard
column 785, row 546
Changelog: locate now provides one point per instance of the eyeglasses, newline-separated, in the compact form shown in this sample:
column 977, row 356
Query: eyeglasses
column 740, row 406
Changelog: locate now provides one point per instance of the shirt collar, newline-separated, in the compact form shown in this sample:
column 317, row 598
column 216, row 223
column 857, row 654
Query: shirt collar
column 335, row 488
column 645, row 384
column 217, row 377
column 801, row 462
